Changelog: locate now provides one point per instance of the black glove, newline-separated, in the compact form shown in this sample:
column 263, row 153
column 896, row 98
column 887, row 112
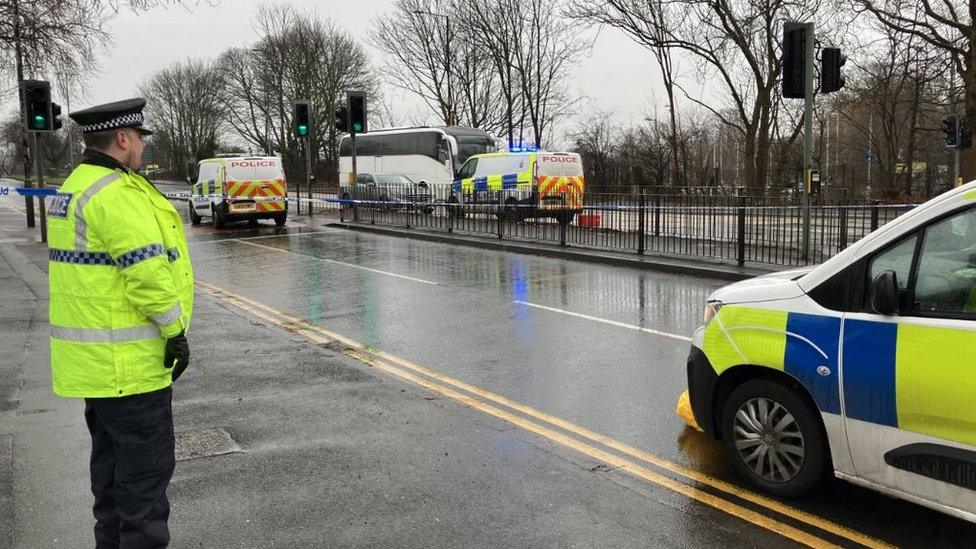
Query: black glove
column 177, row 355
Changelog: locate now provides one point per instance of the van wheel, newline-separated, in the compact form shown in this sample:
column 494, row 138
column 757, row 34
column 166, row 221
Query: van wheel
column 454, row 209
column 774, row 438
column 195, row 218
column 280, row 220
column 511, row 211
column 219, row 217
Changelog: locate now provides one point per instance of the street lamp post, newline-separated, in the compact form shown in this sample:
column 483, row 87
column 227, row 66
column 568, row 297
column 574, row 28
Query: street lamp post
column 447, row 63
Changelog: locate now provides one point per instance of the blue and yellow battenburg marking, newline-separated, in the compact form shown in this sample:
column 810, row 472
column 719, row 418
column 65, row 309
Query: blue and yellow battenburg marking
column 917, row 378
column 495, row 182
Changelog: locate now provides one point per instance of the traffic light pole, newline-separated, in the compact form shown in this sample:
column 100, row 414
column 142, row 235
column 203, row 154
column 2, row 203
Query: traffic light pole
column 39, row 170
column 352, row 146
column 308, row 172
column 807, row 138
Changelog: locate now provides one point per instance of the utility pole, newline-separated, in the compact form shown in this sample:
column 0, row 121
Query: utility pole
column 807, row 137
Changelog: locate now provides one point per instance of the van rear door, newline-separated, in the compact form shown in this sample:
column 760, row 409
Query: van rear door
column 560, row 181
column 255, row 184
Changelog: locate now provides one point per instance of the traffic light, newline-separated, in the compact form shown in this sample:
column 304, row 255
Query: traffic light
column 342, row 119
column 37, row 105
column 794, row 60
column 301, row 120
column 55, row 116
column 831, row 61
column 357, row 112
column 965, row 133
column 950, row 126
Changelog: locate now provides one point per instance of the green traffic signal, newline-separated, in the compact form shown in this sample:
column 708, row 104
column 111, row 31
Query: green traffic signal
column 302, row 130
column 40, row 122
column 357, row 126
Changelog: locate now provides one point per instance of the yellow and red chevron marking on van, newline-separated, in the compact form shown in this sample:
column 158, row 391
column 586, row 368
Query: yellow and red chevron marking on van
column 266, row 188
column 565, row 187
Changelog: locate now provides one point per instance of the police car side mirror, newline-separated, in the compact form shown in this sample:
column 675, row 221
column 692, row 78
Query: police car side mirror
column 884, row 293
column 189, row 180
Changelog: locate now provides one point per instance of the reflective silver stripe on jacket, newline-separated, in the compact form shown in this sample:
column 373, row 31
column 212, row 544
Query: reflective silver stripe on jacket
column 81, row 227
column 170, row 316
column 105, row 335
column 173, row 253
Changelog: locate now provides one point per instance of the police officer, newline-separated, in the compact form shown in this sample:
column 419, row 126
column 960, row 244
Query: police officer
column 121, row 290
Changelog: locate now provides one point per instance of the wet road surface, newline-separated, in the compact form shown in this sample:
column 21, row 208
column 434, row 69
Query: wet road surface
column 601, row 347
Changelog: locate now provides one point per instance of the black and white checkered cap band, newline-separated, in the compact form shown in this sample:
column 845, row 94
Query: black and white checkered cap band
column 124, row 121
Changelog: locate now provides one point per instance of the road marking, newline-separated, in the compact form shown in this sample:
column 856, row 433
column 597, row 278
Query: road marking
column 606, row 321
column 343, row 263
column 382, row 360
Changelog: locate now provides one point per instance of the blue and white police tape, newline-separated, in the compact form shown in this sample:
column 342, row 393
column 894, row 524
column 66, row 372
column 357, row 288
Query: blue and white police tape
column 28, row 191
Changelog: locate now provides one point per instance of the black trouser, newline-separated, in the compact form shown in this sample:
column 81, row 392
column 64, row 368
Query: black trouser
column 132, row 461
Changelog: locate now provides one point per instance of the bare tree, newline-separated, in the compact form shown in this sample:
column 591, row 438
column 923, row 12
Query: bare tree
column 452, row 76
column 185, row 109
column 297, row 56
column 947, row 26
column 735, row 44
column 544, row 49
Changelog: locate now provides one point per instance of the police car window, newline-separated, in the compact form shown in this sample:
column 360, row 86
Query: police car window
column 467, row 170
column 208, row 171
column 897, row 258
column 946, row 279
column 491, row 165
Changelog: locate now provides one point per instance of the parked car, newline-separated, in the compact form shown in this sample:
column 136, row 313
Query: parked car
column 390, row 191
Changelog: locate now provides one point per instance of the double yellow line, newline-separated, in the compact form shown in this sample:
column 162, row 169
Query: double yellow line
column 584, row 441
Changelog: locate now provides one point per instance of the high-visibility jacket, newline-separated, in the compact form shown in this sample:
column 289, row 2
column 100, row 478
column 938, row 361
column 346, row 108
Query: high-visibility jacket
column 120, row 281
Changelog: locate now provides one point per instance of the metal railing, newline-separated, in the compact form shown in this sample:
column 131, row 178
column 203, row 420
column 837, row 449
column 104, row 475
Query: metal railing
column 767, row 230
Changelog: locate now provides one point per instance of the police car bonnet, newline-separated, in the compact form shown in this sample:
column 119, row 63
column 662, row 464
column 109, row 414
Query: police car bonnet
column 112, row 116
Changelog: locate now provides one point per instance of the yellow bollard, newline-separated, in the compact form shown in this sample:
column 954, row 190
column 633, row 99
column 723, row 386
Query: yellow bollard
column 684, row 411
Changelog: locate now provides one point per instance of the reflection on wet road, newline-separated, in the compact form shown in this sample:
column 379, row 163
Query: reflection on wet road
column 601, row 347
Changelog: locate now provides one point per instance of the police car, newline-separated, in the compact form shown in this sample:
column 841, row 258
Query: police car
column 864, row 366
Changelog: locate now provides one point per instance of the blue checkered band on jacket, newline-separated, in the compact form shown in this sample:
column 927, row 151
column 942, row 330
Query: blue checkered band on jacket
column 124, row 121
column 173, row 253
column 84, row 258
column 139, row 255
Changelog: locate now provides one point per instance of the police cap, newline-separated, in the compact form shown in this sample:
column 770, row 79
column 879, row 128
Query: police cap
column 112, row 116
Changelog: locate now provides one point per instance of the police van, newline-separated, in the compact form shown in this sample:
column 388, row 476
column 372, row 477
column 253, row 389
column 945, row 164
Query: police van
column 864, row 366
column 237, row 188
column 525, row 184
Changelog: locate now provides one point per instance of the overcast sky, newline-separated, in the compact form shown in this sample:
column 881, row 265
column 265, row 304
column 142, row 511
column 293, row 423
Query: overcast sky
column 619, row 75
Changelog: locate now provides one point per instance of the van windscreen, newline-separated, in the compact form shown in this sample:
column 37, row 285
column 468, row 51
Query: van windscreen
column 253, row 169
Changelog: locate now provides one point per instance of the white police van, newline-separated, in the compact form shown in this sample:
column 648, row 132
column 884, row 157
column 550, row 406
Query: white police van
column 864, row 366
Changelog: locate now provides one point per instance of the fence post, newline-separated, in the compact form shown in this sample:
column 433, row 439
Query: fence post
column 641, row 229
column 342, row 207
column 372, row 207
column 657, row 214
column 562, row 233
column 740, row 255
column 500, row 216
column 450, row 217
column 843, row 227
column 874, row 215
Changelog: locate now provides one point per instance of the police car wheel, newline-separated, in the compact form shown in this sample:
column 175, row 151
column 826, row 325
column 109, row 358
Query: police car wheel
column 195, row 219
column 219, row 217
column 773, row 438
